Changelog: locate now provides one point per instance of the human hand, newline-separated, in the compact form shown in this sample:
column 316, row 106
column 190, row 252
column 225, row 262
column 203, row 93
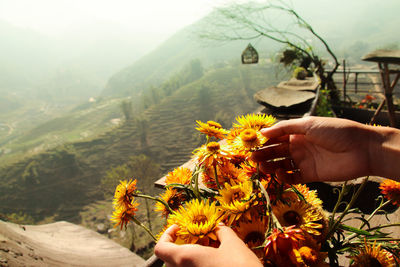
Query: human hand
column 317, row 149
column 231, row 252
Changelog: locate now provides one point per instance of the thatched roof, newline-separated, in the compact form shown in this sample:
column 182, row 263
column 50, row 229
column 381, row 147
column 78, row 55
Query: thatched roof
column 280, row 97
column 309, row 84
column 384, row 56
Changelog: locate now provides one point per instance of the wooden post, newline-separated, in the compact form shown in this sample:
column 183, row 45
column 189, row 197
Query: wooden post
column 355, row 81
column 388, row 92
column 344, row 80
column 377, row 111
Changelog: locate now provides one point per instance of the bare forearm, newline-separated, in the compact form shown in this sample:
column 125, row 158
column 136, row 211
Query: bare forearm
column 384, row 152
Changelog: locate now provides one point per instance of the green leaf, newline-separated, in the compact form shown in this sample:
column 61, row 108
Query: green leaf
column 354, row 230
column 300, row 195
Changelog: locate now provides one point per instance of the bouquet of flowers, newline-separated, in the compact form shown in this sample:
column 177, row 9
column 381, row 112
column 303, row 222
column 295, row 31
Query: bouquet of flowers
column 283, row 224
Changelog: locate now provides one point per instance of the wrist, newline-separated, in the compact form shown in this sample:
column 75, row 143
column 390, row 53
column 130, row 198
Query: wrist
column 384, row 152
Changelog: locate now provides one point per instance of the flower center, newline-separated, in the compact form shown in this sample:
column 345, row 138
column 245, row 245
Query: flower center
column 175, row 201
column 269, row 263
column 248, row 135
column 200, row 219
column 214, row 124
column 238, row 195
column 254, row 237
column 373, row 262
column 213, row 146
column 292, row 217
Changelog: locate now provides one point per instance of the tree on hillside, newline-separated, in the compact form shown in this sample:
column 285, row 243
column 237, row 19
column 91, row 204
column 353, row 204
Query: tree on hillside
column 204, row 99
column 142, row 129
column 112, row 178
column 146, row 170
column 126, row 107
column 277, row 21
column 140, row 167
column 193, row 71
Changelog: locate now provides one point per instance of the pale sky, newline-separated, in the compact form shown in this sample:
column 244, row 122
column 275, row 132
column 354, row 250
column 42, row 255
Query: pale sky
column 152, row 16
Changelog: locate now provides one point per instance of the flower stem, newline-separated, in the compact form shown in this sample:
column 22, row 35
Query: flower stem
column 155, row 199
column 273, row 219
column 216, row 176
column 353, row 199
column 384, row 226
column 340, row 197
column 144, row 227
column 196, row 183
column 382, row 205
column 350, row 237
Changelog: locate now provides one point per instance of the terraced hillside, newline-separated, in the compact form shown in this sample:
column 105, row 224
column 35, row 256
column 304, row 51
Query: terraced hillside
column 84, row 121
column 59, row 182
column 221, row 96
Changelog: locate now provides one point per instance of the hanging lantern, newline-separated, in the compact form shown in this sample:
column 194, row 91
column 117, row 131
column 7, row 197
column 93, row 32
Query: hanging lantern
column 249, row 55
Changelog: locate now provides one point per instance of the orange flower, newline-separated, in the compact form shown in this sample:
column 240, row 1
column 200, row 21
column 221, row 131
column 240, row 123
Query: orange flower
column 310, row 252
column 173, row 198
column 253, row 233
column 123, row 193
column 226, row 172
column 236, row 200
column 197, row 221
column 123, row 214
column 233, row 133
column 301, row 214
column 211, row 154
column 254, row 121
column 313, row 257
column 248, row 140
column 391, row 191
column 179, row 175
column 372, row 255
column 282, row 247
column 212, row 129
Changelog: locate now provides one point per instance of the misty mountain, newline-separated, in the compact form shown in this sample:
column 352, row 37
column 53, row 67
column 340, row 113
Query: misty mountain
column 43, row 77
column 168, row 58
column 353, row 28
column 68, row 67
column 350, row 28
column 25, row 57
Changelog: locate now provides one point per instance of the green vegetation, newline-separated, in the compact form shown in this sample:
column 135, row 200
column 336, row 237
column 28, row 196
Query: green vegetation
column 60, row 181
column 300, row 73
column 85, row 121
column 324, row 108
column 126, row 107
column 19, row 218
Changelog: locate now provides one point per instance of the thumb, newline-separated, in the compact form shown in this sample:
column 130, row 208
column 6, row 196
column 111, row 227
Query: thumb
column 226, row 235
column 165, row 247
column 287, row 127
